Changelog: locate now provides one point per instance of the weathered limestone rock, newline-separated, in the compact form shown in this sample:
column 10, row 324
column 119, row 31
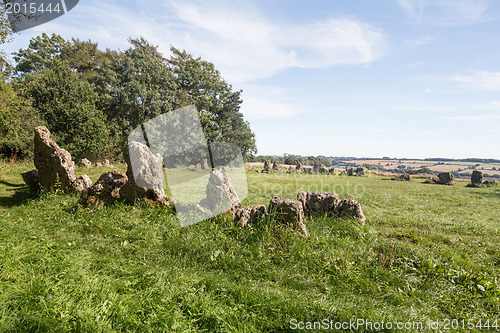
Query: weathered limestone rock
column 360, row 171
column 316, row 204
column 349, row 208
column 198, row 166
column 98, row 164
column 54, row 164
column 145, row 176
column 248, row 215
column 106, row 190
column 85, row 163
column 445, row 177
column 107, row 164
column 220, row 192
column 31, row 179
column 288, row 212
column 276, row 166
column 320, row 168
column 476, row 178
column 490, row 182
column 81, row 183
column 267, row 166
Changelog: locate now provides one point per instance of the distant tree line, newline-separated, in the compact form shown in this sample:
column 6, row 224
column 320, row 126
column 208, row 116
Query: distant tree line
column 293, row 159
column 92, row 99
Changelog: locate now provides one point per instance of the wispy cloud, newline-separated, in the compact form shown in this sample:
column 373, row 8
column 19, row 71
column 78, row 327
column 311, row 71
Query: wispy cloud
column 480, row 80
column 482, row 118
column 244, row 43
column 445, row 12
column 248, row 45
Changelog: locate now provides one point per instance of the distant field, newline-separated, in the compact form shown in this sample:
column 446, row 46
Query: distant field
column 433, row 165
column 427, row 252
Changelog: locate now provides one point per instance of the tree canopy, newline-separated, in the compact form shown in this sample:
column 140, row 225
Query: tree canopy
column 92, row 99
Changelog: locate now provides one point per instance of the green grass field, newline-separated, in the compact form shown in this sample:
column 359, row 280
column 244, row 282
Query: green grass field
column 427, row 252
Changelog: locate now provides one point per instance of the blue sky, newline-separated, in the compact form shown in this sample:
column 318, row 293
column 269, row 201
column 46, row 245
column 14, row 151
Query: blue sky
column 399, row 78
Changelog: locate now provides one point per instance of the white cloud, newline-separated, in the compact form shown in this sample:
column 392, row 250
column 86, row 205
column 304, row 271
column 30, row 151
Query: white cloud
column 247, row 45
column 445, row 12
column 258, row 108
column 480, row 80
column 242, row 42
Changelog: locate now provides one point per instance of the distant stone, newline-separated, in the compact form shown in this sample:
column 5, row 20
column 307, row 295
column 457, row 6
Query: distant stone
column 248, row 215
column 360, row 171
column 476, row 178
column 54, row 164
column 107, row 164
column 288, row 212
column 31, row 179
column 98, row 164
column 349, row 208
column 331, row 171
column 490, row 182
column 85, row 163
column 81, row 183
column 350, row 171
column 405, row 177
column 192, row 167
column 267, row 166
column 299, row 167
column 276, row 166
column 205, row 164
column 290, row 170
column 106, row 190
column 445, row 177
column 317, row 204
column 198, row 166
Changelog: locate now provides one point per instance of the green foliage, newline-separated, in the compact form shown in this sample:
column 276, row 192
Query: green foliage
column 17, row 121
column 68, row 106
column 202, row 85
column 92, row 100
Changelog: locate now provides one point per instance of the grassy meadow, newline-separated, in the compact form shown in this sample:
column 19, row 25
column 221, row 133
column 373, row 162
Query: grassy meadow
column 427, row 252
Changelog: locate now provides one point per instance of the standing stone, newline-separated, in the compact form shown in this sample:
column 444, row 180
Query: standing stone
column 267, row 166
column 145, row 176
column 290, row 169
column 276, row 166
column 54, row 164
column 476, row 178
column 205, row 164
column 349, row 208
column 249, row 215
column 85, row 163
column 317, row 204
column 106, row 190
column 220, row 192
column 31, row 179
column 360, row 171
column 198, row 166
column 288, row 212
column 350, row 171
column 299, row 167
column 107, row 164
column 405, row 177
column 445, row 177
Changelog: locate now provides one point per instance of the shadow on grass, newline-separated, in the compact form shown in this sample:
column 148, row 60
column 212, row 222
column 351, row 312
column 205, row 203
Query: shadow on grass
column 492, row 194
column 21, row 196
column 10, row 184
